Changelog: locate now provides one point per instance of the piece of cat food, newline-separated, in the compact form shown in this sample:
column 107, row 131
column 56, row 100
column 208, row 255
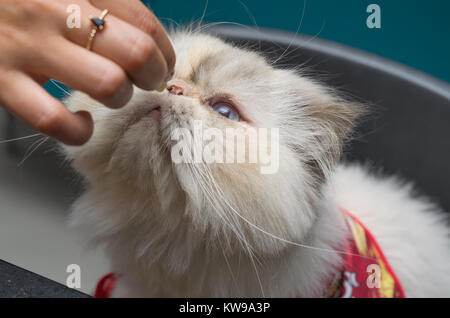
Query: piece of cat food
column 162, row 87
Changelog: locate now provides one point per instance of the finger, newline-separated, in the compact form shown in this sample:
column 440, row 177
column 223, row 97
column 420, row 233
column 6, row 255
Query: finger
column 86, row 71
column 137, row 14
column 30, row 102
column 135, row 51
column 40, row 79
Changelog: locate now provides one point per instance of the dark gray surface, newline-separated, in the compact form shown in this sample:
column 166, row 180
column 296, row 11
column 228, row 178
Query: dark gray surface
column 408, row 133
column 16, row 282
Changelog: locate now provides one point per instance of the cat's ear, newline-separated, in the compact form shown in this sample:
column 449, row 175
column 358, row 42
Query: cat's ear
column 331, row 123
column 337, row 117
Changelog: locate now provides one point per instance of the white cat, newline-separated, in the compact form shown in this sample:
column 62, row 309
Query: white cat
column 227, row 230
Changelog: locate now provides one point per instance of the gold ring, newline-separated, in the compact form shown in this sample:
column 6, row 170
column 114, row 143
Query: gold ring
column 99, row 24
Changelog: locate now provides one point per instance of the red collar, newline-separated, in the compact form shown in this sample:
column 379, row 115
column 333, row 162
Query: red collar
column 366, row 273
column 105, row 286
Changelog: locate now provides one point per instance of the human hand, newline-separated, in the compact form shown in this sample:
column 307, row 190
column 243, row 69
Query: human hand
column 36, row 45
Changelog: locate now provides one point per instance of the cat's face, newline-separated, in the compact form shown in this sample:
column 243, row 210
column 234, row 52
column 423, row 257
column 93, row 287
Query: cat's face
column 219, row 86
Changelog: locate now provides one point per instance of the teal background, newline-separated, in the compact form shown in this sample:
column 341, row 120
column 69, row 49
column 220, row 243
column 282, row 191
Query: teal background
column 413, row 32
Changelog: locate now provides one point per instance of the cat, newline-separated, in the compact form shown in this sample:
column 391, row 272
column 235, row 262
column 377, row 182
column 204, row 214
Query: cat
column 197, row 229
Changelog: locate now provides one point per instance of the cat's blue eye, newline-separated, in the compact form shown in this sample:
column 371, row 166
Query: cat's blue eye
column 227, row 111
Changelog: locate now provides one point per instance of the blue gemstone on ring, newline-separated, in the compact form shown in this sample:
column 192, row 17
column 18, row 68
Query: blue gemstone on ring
column 99, row 23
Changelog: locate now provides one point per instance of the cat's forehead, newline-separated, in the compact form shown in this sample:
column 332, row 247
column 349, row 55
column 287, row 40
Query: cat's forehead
column 200, row 54
column 194, row 50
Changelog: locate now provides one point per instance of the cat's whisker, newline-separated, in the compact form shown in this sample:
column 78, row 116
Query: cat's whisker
column 204, row 12
column 31, row 147
column 295, row 34
column 172, row 21
column 40, row 142
column 19, row 138
column 212, row 24
column 68, row 93
column 55, row 83
column 228, row 265
column 213, row 182
column 236, row 230
column 252, row 17
column 315, row 36
column 210, row 198
column 288, row 241
column 252, row 256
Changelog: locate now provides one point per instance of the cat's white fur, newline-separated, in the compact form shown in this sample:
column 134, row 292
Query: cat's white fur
column 227, row 230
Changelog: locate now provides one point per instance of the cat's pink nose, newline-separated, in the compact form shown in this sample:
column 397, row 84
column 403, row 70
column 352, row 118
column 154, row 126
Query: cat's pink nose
column 177, row 87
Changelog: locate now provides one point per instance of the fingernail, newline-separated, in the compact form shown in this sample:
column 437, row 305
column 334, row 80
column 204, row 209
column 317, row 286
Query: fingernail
column 85, row 114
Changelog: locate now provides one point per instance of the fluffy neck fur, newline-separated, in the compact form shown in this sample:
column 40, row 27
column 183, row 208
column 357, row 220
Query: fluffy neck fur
column 171, row 259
